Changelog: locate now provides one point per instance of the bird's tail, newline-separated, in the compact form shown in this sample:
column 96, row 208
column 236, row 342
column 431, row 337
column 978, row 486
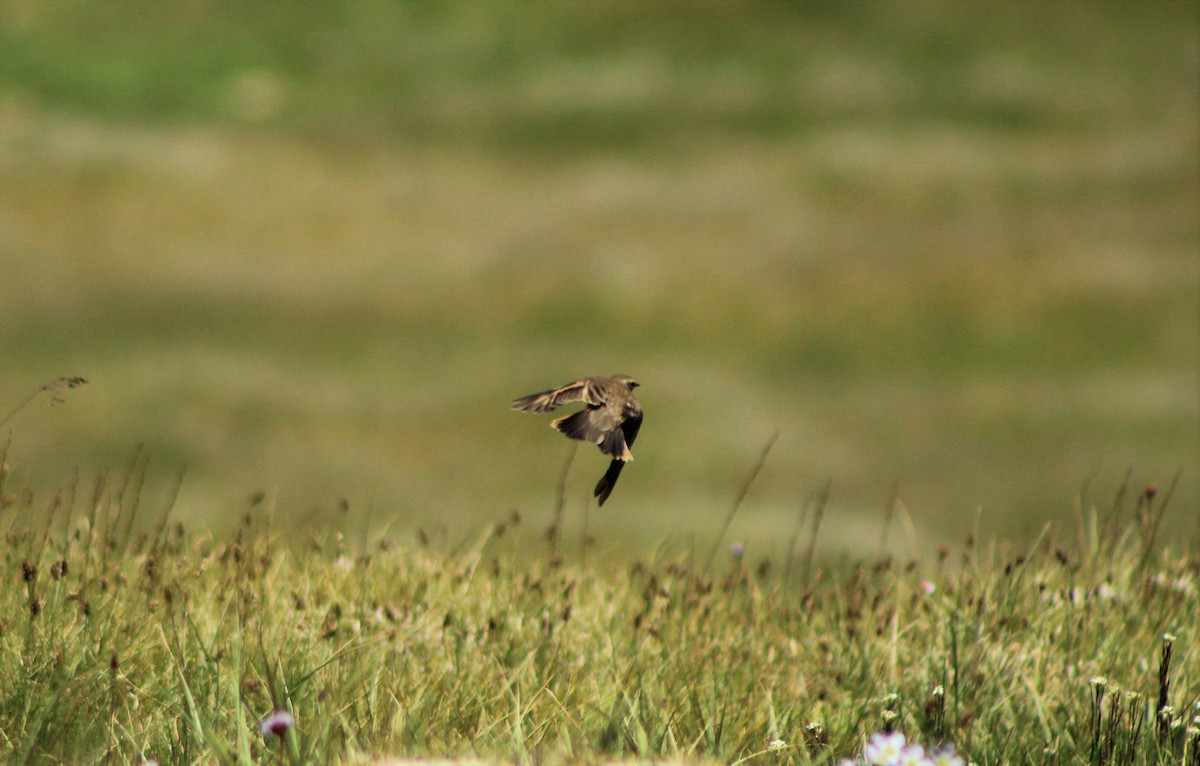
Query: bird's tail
column 604, row 487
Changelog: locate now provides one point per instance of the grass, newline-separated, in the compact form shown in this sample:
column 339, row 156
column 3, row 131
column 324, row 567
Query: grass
column 306, row 256
column 125, row 637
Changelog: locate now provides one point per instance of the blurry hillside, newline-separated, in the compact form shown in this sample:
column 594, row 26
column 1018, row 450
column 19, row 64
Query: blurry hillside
column 315, row 249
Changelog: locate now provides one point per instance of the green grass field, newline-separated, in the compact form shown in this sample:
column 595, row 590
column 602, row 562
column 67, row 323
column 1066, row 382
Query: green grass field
column 119, row 646
column 306, row 253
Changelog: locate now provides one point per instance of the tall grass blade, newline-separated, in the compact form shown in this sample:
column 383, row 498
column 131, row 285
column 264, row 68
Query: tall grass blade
column 737, row 503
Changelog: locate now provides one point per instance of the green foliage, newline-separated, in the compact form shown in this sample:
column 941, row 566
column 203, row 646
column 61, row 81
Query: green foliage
column 125, row 639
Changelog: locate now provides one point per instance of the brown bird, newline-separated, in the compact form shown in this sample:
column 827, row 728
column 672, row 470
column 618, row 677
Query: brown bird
column 610, row 421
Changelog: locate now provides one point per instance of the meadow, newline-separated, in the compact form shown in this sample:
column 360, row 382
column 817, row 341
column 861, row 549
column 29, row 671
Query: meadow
column 120, row 646
column 912, row 290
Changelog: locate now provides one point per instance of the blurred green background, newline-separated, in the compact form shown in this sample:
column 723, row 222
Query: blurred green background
column 314, row 248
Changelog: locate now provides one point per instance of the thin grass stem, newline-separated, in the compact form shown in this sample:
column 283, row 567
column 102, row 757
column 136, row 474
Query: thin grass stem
column 737, row 503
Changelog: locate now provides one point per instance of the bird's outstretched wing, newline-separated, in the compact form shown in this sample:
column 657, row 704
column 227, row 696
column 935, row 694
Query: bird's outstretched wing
column 579, row 391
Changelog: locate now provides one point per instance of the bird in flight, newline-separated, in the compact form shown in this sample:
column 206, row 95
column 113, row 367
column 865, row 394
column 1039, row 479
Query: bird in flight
column 610, row 421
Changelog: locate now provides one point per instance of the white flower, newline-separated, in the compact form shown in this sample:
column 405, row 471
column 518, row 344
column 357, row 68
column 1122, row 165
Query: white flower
column 945, row 756
column 884, row 749
column 776, row 743
column 912, row 755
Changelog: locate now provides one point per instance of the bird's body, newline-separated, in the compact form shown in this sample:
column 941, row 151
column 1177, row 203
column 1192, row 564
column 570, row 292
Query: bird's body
column 610, row 421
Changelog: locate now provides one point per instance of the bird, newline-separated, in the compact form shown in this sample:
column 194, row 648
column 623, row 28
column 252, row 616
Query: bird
column 610, row 421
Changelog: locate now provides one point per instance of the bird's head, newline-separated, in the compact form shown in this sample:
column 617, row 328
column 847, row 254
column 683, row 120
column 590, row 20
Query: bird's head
column 628, row 381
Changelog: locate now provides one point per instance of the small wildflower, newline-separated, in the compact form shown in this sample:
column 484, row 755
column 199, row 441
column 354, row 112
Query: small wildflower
column 928, row 587
column 776, row 743
column 737, row 549
column 1169, row 638
column 277, row 723
column 912, row 755
column 945, row 756
column 814, row 735
column 884, row 749
column 1099, row 681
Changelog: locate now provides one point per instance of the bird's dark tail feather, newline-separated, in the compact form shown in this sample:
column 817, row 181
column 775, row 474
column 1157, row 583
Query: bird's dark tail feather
column 605, row 486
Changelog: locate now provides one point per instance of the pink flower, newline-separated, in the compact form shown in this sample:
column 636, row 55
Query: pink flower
column 277, row 723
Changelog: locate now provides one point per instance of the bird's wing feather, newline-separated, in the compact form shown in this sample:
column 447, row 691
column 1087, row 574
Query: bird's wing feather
column 597, row 425
column 546, row 401
column 631, row 426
